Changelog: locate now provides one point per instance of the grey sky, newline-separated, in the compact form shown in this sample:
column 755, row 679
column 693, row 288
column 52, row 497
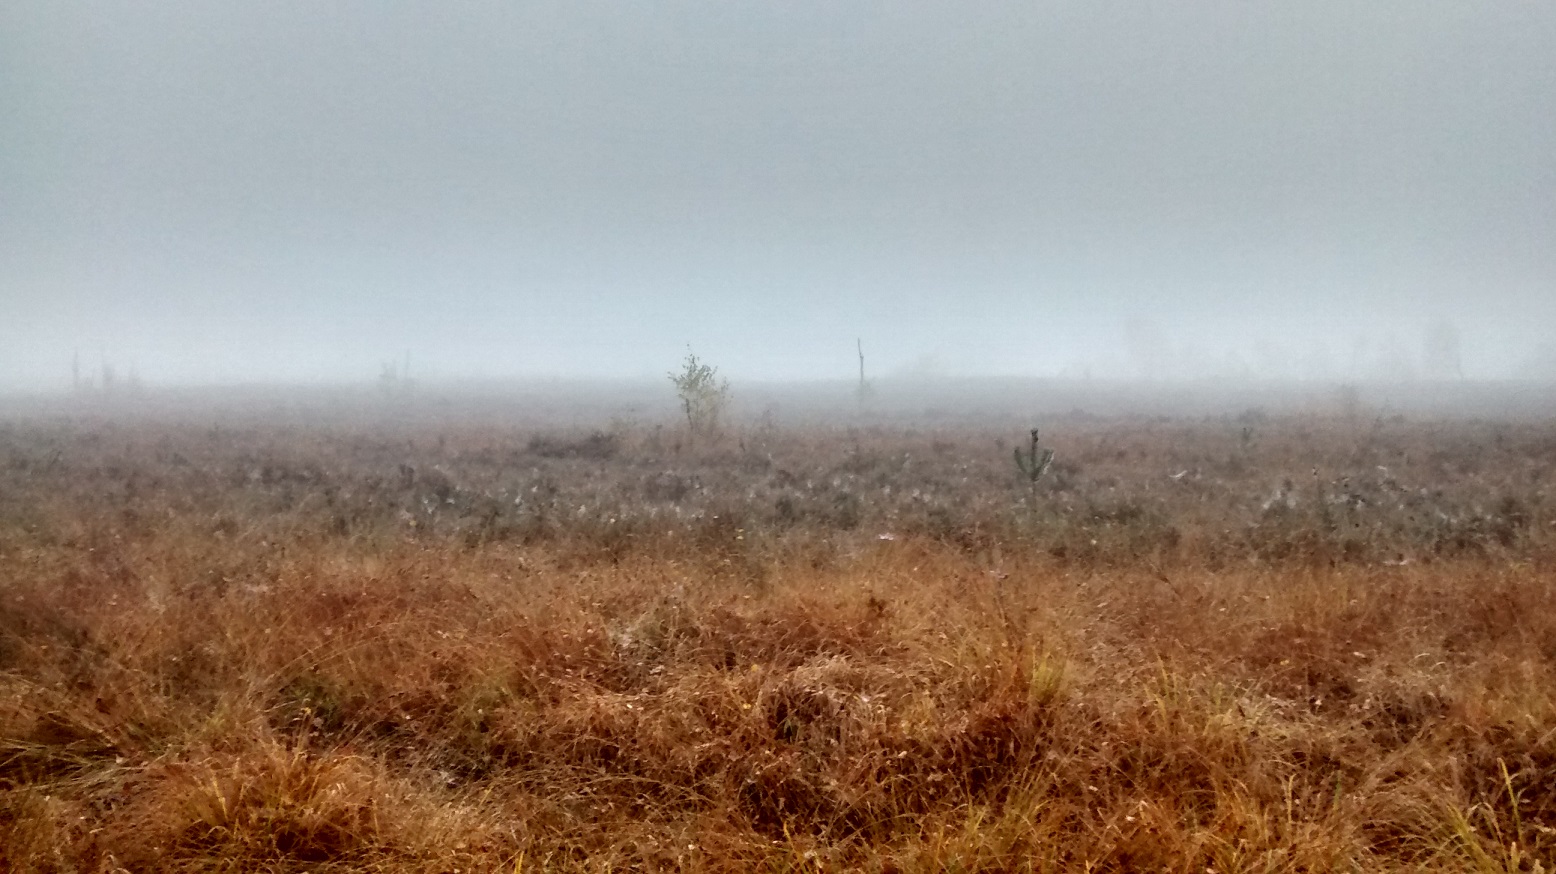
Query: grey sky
column 301, row 190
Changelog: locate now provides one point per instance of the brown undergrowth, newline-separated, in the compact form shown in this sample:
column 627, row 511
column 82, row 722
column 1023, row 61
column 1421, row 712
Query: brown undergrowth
column 197, row 678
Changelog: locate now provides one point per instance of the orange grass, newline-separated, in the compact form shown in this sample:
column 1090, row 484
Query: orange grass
column 198, row 675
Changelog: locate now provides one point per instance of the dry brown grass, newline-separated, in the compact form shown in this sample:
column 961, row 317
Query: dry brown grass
column 264, row 650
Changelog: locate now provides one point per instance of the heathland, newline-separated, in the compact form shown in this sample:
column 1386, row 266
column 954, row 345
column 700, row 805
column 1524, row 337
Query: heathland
column 1257, row 643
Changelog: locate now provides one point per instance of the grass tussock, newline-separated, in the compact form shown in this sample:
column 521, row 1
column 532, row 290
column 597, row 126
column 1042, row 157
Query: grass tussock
column 305, row 652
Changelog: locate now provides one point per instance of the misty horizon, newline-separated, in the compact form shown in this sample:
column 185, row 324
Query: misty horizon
column 216, row 193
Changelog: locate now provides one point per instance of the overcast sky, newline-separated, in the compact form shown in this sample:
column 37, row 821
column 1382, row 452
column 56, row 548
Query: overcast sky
column 218, row 191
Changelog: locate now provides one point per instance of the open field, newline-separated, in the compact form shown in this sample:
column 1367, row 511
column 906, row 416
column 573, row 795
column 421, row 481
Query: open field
column 1257, row 643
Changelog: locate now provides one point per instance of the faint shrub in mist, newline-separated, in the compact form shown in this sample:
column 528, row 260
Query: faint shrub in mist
column 1441, row 351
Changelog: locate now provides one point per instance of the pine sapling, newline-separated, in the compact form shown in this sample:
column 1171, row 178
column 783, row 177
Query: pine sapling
column 1033, row 463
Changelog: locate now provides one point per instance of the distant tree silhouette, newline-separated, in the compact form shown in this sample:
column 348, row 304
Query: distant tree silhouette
column 1441, row 351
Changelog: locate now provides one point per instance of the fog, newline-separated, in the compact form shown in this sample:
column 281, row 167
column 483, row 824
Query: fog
column 295, row 192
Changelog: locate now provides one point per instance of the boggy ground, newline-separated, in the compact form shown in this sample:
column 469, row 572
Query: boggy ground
column 1229, row 646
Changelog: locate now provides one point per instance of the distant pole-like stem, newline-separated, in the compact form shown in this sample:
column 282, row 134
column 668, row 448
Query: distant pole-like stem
column 863, row 387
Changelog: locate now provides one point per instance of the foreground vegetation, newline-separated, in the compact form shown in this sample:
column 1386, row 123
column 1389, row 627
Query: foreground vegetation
column 1228, row 646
